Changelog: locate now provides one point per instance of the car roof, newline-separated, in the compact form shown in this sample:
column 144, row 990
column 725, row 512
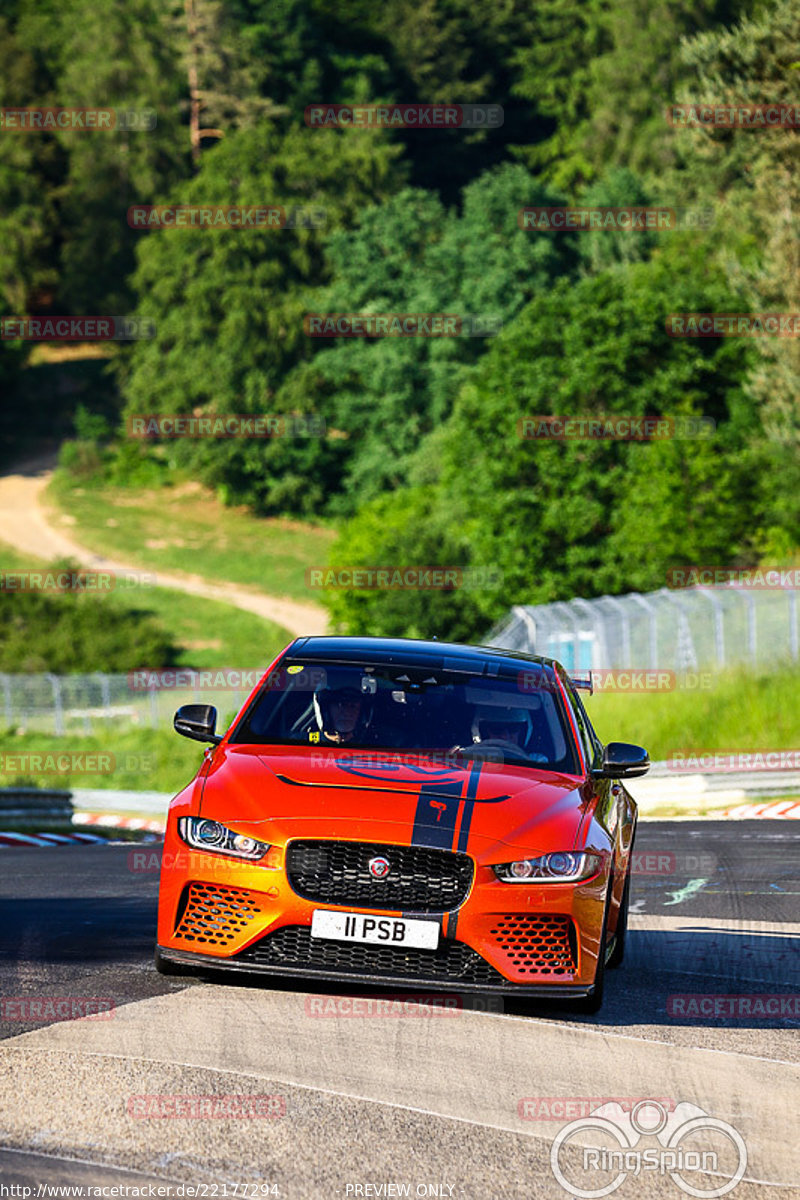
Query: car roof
column 416, row 652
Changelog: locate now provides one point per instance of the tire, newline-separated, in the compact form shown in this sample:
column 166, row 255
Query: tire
column 165, row 966
column 618, row 949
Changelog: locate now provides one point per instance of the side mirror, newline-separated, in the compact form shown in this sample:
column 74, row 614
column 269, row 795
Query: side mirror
column 621, row 760
column 197, row 721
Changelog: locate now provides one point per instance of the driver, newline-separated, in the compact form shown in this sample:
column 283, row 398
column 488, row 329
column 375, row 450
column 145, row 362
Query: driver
column 340, row 714
column 501, row 724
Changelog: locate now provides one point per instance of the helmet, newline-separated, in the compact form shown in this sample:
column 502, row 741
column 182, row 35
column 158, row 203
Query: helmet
column 492, row 721
column 324, row 699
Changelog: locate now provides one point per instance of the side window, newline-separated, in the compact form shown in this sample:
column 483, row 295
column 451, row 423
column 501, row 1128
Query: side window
column 591, row 745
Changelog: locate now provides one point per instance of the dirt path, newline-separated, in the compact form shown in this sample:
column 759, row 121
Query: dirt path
column 25, row 526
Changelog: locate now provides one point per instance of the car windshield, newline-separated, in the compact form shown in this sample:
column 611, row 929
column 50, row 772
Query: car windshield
column 407, row 709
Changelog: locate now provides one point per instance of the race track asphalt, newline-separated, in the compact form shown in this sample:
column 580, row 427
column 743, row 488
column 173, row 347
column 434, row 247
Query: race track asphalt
column 464, row 1105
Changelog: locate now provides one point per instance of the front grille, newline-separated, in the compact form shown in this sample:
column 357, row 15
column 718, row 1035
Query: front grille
column 293, row 946
column 419, row 879
column 215, row 915
column 538, row 945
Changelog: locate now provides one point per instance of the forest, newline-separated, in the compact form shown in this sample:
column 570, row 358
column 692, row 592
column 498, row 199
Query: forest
column 417, row 453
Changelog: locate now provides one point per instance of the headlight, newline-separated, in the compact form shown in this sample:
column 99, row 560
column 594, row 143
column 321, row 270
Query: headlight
column 561, row 867
column 210, row 835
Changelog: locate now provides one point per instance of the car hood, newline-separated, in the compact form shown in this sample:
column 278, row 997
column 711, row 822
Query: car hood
column 280, row 793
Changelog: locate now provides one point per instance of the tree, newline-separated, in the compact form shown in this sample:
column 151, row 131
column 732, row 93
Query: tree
column 411, row 255
column 228, row 305
column 115, row 57
column 754, row 178
column 555, row 519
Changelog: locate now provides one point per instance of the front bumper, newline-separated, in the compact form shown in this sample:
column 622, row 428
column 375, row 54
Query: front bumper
column 526, row 940
column 504, row 988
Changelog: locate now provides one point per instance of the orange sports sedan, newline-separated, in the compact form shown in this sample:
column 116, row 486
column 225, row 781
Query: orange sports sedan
column 407, row 813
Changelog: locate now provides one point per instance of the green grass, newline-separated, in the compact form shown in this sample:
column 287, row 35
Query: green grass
column 145, row 760
column 741, row 711
column 209, row 633
column 185, row 528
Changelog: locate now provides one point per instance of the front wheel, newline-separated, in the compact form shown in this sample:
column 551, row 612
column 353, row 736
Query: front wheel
column 593, row 1004
column 618, row 948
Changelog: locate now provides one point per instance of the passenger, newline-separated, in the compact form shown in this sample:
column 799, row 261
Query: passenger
column 501, row 724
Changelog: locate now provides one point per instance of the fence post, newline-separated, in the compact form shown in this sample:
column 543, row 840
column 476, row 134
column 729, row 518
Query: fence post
column 58, row 707
column 626, row 629
column 653, row 626
column 7, row 700
column 719, row 627
column 105, row 692
column 521, row 611
column 752, row 639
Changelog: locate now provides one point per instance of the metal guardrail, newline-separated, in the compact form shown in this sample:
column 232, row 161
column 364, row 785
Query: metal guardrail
column 716, row 788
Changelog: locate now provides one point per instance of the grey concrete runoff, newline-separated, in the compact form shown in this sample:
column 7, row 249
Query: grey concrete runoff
column 468, row 1103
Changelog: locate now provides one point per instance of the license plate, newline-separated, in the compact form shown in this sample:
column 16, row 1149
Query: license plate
column 382, row 931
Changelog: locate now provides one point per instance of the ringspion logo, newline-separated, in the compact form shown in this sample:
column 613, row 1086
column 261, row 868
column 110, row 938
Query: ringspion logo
column 601, row 1170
